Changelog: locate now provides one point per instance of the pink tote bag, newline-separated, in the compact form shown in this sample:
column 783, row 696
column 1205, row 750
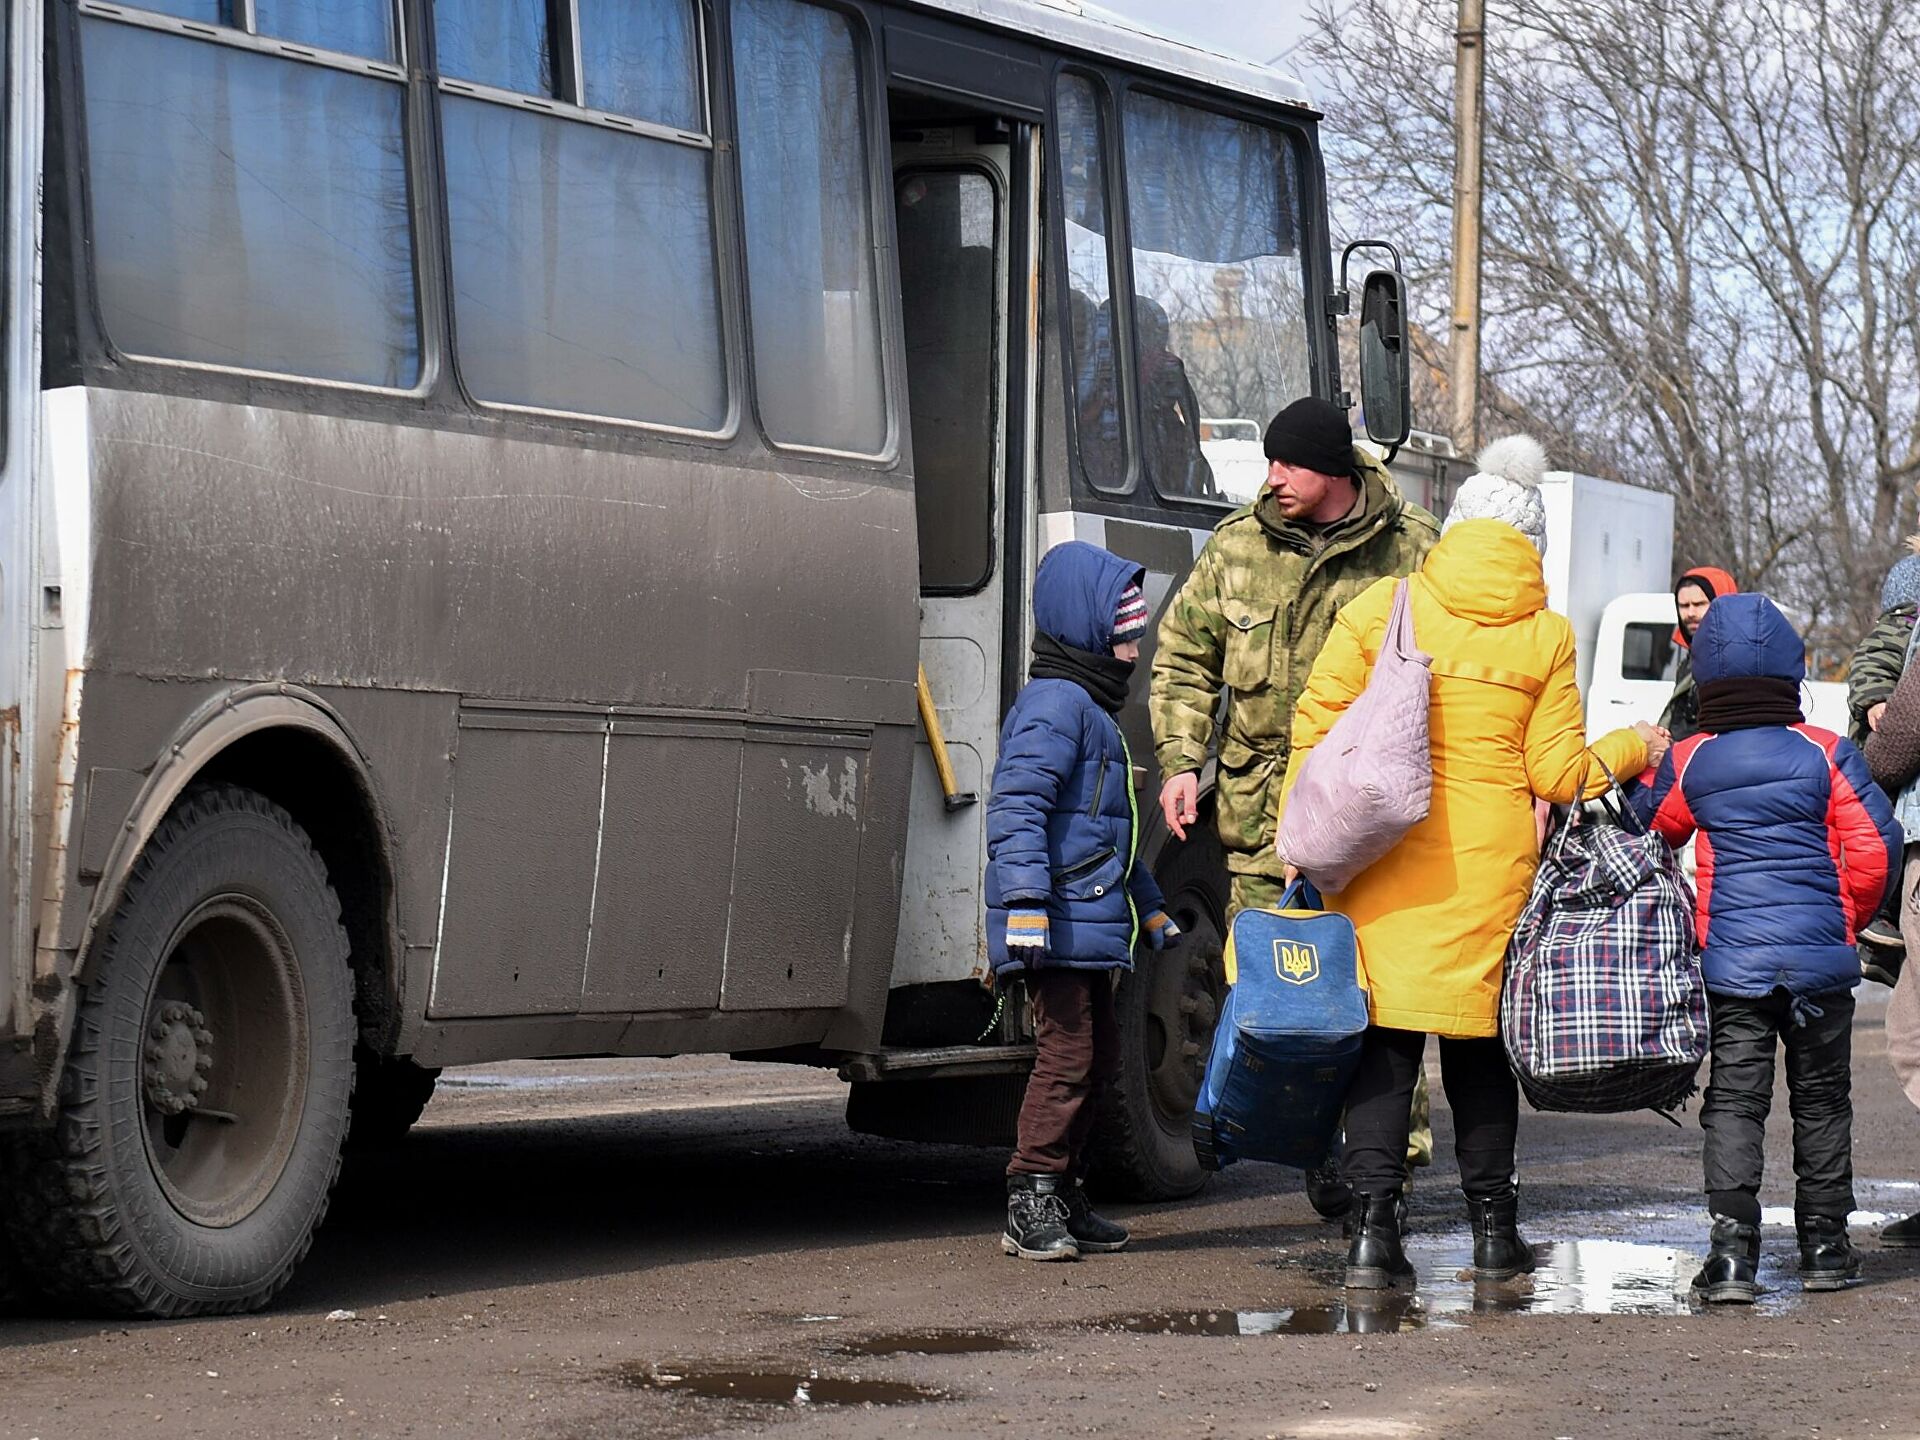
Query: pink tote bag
column 1371, row 779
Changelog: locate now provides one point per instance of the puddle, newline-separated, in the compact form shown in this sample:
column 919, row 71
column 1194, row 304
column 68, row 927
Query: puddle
column 1383, row 1314
column 927, row 1342
column 798, row 1388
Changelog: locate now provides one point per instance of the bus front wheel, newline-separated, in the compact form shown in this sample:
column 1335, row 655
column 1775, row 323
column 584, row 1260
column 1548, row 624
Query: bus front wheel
column 1143, row 1143
column 205, row 1097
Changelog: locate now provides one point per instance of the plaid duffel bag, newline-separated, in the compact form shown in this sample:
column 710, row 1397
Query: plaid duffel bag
column 1603, row 1008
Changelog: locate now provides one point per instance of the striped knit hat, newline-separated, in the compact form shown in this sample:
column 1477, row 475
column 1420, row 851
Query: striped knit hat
column 1130, row 620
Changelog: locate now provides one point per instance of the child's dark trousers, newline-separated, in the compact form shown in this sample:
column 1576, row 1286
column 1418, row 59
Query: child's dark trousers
column 1819, row 1092
column 1078, row 1039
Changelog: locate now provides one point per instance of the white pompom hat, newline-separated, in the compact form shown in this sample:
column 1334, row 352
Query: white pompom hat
column 1507, row 488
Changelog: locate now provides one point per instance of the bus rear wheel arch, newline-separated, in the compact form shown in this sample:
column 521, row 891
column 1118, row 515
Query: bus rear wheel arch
column 204, row 1101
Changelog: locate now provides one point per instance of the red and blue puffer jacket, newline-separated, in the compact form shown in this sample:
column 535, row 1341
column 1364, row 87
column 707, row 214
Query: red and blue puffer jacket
column 1796, row 845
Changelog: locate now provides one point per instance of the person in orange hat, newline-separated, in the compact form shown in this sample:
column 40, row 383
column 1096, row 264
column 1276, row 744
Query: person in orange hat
column 1695, row 591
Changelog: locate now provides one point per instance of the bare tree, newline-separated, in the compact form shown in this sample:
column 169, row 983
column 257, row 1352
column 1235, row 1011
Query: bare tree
column 1702, row 251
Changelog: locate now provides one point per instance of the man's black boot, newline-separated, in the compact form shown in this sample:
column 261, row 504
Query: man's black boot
column 1093, row 1234
column 1327, row 1191
column 1902, row 1234
column 1500, row 1251
column 1037, row 1218
column 1375, row 1260
column 1731, row 1274
column 1827, row 1258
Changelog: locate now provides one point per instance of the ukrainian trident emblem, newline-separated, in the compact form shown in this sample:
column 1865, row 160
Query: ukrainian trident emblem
column 1295, row 963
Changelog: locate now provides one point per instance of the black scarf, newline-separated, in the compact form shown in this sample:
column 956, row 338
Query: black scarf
column 1747, row 702
column 1101, row 676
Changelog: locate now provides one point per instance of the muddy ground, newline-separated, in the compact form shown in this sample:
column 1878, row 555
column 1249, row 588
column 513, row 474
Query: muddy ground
column 574, row 1251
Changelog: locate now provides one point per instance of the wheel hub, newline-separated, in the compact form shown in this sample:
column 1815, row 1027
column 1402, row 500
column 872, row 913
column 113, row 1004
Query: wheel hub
column 179, row 1053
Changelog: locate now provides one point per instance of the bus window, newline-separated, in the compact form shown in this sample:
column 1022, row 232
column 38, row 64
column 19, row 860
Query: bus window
column 352, row 27
column 949, row 296
column 502, row 43
column 643, row 61
column 809, row 227
column 583, row 258
column 205, row 12
column 1220, row 309
column 1090, row 319
column 249, row 210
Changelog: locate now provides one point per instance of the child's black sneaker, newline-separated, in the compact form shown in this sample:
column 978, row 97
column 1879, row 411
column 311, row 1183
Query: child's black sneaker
column 1037, row 1218
column 1731, row 1274
column 1827, row 1258
column 1093, row 1234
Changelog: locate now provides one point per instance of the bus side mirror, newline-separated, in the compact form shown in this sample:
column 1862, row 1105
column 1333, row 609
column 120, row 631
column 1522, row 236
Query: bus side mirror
column 1386, row 401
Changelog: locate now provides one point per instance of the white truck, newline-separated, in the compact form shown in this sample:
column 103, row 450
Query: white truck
column 1609, row 563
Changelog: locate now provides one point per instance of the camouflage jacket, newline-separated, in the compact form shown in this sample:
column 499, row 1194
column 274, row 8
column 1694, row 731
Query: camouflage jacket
column 1251, row 619
column 1877, row 663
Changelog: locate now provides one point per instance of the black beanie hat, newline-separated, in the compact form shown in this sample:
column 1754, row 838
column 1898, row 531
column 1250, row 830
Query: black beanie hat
column 1313, row 434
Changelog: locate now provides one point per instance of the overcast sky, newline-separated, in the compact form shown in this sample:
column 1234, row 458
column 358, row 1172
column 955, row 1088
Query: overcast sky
column 1258, row 30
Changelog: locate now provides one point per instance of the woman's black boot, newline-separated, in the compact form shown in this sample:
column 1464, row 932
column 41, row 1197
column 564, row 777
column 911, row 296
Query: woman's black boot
column 1731, row 1275
column 1375, row 1260
column 1500, row 1251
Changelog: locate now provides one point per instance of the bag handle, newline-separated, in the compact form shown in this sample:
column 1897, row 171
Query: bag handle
column 1305, row 893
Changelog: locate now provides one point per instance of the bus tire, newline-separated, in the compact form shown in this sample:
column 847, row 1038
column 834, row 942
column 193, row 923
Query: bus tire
column 1143, row 1140
column 205, row 1096
column 390, row 1092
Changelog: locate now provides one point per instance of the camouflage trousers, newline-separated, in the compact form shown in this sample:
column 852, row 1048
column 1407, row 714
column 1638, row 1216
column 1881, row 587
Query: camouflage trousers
column 1261, row 892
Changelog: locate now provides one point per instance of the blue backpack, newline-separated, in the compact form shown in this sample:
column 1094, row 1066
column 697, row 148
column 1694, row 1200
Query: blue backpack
column 1288, row 1041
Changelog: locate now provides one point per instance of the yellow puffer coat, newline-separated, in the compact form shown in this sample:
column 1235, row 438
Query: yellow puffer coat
column 1435, row 913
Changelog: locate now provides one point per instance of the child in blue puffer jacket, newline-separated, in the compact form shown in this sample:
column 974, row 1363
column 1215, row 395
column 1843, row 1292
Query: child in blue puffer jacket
column 1066, row 897
column 1796, row 849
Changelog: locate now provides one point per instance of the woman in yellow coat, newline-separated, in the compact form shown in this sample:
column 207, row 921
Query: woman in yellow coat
column 1434, row 915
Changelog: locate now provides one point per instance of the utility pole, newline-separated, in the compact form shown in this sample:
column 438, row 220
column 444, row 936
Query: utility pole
column 1469, row 106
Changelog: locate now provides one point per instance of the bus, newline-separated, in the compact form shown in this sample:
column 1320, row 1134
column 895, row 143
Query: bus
column 487, row 485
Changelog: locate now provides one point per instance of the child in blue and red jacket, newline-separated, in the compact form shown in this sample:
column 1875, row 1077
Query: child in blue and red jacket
column 1067, row 898
column 1796, row 848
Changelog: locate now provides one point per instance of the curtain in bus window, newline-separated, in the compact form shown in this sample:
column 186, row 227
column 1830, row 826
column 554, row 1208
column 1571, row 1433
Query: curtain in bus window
column 1090, row 319
column 642, row 59
column 502, row 43
column 809, row 227
column 1220, row 312
column 248, row 210
column 583, row 268
column 353, row 27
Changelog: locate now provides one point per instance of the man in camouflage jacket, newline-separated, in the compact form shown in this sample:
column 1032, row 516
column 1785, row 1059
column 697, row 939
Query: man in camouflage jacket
column 1251, row 620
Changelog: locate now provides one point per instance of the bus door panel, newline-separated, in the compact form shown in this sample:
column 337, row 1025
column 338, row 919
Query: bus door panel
column 953, row 204
column 520, row 864
column 666, row 861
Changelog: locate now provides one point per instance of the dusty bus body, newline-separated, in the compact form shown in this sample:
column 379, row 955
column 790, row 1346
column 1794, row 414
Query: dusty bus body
column 446, row 621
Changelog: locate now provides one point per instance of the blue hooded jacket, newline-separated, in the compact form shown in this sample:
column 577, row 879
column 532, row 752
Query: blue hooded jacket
column 1796, row 846
column 1063, row 829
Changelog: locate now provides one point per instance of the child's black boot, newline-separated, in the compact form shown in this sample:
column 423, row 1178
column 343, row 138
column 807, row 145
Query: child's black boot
column 1375, row 1260
column 1093, row 1233
column 1827, row 1258
column 1500, row 1251
column 1731, row 1274
column 1037, row 1218
column 1902, row 1234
